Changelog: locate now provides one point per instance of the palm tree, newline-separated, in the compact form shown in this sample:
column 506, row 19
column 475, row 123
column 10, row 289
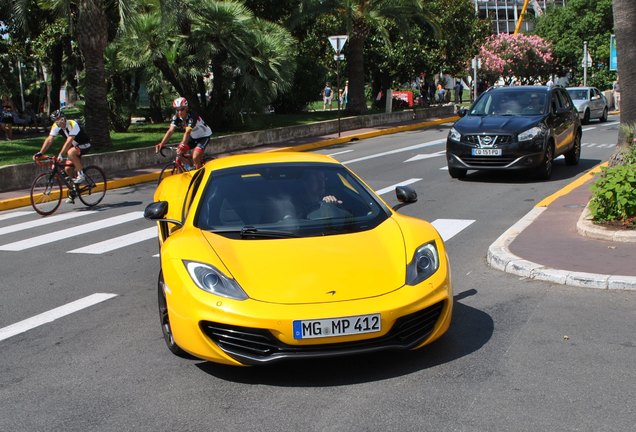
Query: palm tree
column 625, row 30
column 361, row 17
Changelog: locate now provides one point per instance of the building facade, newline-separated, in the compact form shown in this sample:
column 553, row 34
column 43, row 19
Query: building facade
column 504, row 14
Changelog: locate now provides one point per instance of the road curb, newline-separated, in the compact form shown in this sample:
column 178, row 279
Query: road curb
column 500, row 258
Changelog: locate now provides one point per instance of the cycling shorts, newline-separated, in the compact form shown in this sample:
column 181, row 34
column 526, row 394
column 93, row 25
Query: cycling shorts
column 200, row 143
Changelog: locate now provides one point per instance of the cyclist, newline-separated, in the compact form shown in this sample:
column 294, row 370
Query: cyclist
column 77, row 143
column 196, row 134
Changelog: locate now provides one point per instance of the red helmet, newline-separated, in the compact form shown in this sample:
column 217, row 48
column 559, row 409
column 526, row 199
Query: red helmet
column 179, row 102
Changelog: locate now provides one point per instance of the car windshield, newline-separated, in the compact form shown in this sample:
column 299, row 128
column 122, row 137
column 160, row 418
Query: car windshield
column 578, row 94
column 299, row 199
column 510, row 103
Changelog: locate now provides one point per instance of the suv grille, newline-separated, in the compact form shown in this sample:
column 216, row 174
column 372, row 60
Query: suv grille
column 495, row 139
column 256, row 346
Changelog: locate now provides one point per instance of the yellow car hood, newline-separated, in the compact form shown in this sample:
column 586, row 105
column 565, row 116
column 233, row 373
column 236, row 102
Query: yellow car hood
column 317, row 269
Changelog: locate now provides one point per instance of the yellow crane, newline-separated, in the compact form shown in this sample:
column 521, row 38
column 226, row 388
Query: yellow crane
column 537, row 10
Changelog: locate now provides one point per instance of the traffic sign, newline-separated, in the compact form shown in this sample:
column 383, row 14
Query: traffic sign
column 589, row 61
column 337, row 42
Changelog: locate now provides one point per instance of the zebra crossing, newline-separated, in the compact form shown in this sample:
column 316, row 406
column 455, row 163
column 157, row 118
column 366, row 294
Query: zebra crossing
column 11, row 223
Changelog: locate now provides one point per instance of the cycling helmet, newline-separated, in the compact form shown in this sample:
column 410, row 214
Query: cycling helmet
column 179, row 102
column 57, row 115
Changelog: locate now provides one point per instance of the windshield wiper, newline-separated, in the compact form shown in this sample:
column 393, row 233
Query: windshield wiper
column 249, row 231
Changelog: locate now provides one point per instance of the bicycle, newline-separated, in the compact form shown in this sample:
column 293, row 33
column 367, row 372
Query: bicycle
column 182, row 162
column 47, row 192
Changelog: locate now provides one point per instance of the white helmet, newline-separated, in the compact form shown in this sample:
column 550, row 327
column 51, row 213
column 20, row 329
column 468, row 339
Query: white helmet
column 179, row 102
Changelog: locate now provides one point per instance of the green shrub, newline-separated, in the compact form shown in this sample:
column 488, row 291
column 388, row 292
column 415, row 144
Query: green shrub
column 614, row 196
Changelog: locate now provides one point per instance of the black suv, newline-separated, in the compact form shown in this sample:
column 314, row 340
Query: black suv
column 521, row 127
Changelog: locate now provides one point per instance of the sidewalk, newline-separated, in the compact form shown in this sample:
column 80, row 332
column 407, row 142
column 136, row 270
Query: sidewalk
column 553, row 242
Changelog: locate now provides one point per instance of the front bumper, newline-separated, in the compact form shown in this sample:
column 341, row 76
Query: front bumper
column 515, row 155
column 251, row 332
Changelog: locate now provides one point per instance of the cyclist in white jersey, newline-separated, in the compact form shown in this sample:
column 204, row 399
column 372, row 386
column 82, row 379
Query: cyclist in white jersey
column 196, row 135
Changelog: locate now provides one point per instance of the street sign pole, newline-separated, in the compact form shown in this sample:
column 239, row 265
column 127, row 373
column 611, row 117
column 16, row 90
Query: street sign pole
column 337, row 42
column 585, row 63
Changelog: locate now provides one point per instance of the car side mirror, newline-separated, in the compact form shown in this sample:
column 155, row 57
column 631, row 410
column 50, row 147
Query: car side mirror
column 156, row 210
column 462, row 112
column 562, row 110
column 405, row 195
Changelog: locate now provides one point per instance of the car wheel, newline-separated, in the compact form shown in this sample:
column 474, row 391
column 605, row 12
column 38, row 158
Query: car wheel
column 572, row 157
column 457, row 173
column 164, row 318
column 604, row 115
column 586, row 117
column 545, row 169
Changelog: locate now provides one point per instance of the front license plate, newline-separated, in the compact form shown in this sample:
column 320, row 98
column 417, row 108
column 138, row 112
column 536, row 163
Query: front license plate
column 486, row 152
column 343, row 326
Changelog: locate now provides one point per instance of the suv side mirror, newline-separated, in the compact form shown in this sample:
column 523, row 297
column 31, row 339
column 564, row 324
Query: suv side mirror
column 462, row 112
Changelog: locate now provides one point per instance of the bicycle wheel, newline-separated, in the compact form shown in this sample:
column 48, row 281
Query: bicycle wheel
column 46, row 193
column 169, row 169
column 92, row 190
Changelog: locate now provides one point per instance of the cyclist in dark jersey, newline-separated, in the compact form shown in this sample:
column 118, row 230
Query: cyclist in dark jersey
column 196, row 134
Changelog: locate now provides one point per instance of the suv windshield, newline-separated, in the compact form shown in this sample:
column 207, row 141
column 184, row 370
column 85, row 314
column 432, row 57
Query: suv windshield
column 510, row 103
column 303, row 199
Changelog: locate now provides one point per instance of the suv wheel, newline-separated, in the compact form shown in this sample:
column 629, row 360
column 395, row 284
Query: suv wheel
column 457, row 173
column 572, row 157
column 545, row 169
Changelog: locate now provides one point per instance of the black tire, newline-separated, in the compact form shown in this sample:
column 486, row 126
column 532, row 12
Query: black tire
column 46, row 193
column 603, row 118
column 164, row 319
column 457, row 173
column 586, row 117
column 545, row 169
column 572, row 157
column 169, row 169
column 92, row 190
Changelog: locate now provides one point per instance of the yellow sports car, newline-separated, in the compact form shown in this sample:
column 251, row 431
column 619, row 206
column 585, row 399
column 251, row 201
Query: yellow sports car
column 274, row 256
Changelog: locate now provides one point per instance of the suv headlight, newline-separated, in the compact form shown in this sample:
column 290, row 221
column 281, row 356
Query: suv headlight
column 454, row 135
column 213, row 281
column 425, row 262
column 530, row 133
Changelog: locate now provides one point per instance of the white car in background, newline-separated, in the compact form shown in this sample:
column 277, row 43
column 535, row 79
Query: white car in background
column 589, row 102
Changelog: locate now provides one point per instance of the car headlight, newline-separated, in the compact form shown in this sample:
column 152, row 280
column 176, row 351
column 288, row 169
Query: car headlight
column 425, row 262
column 213, row 281
column 454, row 135
column 530, row 133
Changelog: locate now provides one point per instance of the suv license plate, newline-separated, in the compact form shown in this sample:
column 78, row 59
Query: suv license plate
column 343, row 326
column 486, row 152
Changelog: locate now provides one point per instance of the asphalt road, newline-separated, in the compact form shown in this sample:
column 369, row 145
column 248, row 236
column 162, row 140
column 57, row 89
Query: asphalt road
column 81, row 348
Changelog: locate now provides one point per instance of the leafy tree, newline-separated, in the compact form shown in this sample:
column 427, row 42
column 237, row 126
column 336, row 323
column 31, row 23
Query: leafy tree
column 567, row 27
column 361, row 18
column 528, row 58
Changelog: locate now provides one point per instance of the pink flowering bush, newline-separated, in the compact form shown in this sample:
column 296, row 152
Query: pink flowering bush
column 527, row 58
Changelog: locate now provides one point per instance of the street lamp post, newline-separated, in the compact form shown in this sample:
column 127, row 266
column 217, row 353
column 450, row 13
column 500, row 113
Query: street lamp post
column 337, row 42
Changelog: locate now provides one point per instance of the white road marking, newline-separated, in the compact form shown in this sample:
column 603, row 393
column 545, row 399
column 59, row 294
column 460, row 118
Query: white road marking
column 43, row 221
column 400, row 150
column 117, row 242
column 449, row 228
column 426, row 156
column 588, row 129
column 339, row 153
column 15, row 214
column 71, row 232
column 52, row 315
column 392, row 188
